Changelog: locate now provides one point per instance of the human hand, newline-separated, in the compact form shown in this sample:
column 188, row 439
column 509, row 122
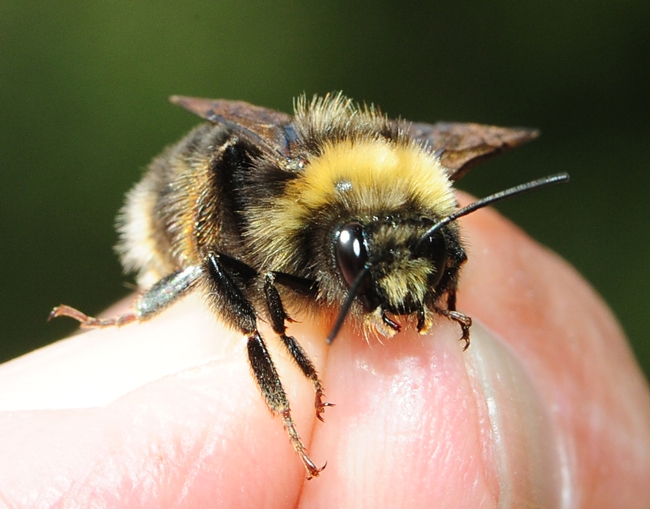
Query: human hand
column 546, row 408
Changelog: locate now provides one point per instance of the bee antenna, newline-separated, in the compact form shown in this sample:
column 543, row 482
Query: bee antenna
column 551, row 180
column 345, row 309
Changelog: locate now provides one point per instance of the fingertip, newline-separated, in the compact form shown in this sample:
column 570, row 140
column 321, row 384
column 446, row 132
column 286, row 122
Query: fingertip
column 575, row 352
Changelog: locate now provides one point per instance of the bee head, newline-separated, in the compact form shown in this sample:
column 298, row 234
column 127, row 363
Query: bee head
column 396, row 267
column 401, row 275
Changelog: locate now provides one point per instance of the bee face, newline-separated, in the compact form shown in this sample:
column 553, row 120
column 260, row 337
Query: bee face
column 403, row 276
column 336, row 207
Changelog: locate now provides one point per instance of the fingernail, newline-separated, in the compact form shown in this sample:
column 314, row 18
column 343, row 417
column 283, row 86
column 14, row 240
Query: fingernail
column 519, row 437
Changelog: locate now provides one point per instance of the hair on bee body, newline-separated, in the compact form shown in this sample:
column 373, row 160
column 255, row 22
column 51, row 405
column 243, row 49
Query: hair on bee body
column 335, row 207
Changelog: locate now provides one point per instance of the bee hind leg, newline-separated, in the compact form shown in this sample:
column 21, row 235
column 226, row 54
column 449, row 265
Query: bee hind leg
column 151, row 302
column 90, row 322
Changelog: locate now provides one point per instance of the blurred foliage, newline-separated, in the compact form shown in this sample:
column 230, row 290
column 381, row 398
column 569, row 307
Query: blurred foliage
column 83, row 91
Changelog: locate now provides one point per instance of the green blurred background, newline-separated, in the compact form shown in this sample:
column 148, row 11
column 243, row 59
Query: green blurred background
column 83, row 102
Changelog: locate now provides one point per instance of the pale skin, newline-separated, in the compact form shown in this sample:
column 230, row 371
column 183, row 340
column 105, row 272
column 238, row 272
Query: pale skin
column 546, row 408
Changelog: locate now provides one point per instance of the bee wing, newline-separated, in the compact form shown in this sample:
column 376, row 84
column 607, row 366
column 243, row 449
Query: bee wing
column 263, row 126
column 462, row 146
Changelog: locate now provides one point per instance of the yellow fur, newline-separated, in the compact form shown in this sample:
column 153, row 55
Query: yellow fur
column 408, row 278
column 377, row 174
column 368, row 175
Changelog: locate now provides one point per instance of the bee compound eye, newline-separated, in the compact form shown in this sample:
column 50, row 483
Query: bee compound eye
column 434, row 248
column 351, row 252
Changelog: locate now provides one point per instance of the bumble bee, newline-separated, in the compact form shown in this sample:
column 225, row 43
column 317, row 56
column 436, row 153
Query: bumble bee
column 336, row 208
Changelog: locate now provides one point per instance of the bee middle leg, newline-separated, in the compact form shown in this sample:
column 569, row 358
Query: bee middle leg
column 232, row 304
column 278, row 318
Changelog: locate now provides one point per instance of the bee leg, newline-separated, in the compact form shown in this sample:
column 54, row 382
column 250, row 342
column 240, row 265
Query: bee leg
column 162, row 294
column 89, row 322
column 461, row 319
column 276, row 399
column 278, row 319
column 237, row 309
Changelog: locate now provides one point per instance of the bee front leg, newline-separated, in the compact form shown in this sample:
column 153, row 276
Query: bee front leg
column 278, row 319
column 161, row 295
column 461, row 319
column 236, row 308
column 276, row 399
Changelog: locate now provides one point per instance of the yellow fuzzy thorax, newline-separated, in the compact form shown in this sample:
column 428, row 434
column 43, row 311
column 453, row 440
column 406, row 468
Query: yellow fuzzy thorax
column 367, row 177
column 374, row 175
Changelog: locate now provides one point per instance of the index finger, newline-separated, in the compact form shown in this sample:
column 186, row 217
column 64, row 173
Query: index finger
column 412, row 422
